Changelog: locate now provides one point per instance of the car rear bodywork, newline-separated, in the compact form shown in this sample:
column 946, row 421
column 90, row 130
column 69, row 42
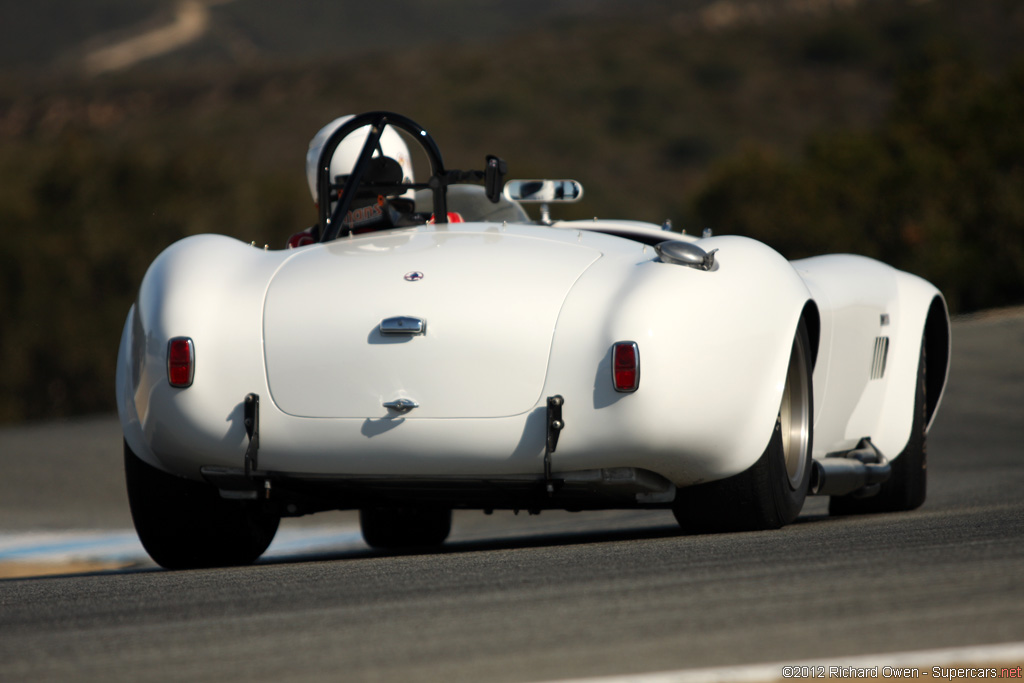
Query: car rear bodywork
column 511, row 315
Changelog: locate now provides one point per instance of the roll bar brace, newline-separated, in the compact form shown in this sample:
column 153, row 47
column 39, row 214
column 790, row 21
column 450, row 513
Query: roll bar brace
column 331, row 221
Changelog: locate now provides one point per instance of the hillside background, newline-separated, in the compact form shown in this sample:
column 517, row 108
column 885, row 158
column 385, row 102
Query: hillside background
column 891, row 128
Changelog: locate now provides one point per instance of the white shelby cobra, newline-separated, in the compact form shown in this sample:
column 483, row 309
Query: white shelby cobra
column 501, row 363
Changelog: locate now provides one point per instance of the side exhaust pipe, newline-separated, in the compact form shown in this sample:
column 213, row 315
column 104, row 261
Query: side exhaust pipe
column 858, row 473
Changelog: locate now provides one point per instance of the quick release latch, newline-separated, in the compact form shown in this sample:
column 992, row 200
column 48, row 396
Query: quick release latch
column 555, row 426
column 251, row 418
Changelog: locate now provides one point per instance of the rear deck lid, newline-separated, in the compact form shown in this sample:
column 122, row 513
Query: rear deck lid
column 488, row 302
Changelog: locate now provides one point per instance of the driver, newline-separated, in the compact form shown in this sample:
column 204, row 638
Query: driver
column 390, row 164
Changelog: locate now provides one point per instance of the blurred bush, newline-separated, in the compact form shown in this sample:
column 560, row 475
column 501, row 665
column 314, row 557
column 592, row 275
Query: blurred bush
column 936, row 189
column 83, row 217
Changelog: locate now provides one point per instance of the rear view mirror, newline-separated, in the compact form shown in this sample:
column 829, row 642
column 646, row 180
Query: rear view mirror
column 543, row 190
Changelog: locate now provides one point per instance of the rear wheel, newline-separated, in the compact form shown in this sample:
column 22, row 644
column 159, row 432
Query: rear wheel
column 907, row 486
column 185, row 524
column 395, row 528
column 771, row 493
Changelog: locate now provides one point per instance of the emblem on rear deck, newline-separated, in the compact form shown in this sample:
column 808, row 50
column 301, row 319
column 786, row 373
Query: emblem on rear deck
column 414, row 276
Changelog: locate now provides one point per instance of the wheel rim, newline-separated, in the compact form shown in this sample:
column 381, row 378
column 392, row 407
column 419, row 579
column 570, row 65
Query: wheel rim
column 795, row 415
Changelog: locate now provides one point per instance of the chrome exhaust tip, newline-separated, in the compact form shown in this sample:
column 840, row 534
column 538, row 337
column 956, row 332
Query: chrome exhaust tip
column 858, row 473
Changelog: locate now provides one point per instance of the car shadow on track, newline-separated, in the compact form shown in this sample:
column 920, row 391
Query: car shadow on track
column 527, row 541
column 546, row 538
column 518, row 542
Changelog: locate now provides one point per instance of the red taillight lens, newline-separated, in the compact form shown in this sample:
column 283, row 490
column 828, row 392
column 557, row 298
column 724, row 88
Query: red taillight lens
column 626, row 366
column 181, row 361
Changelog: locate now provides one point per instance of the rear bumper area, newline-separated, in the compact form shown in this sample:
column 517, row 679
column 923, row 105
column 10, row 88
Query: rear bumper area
column 299, row 494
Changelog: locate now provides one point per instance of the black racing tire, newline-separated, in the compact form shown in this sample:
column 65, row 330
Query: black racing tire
column 771, row 493
column 185, row 524
column 907, row 486
column 402, row 528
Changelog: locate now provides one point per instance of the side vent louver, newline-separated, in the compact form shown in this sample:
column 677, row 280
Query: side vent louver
column 881, row 353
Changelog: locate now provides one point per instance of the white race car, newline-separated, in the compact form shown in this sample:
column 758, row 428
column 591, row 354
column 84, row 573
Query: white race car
column 503, row 363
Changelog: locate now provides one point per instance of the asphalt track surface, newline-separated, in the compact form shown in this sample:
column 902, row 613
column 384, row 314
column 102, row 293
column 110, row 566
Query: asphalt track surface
column 540, row 598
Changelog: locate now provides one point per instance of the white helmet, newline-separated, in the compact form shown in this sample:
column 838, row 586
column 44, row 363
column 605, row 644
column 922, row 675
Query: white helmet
column 347, row 153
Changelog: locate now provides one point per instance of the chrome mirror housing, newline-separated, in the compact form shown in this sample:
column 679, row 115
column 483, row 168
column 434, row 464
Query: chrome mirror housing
column 543, row 191
column 685, row 254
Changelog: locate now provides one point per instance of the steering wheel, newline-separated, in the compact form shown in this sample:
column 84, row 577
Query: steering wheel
column 331, row 221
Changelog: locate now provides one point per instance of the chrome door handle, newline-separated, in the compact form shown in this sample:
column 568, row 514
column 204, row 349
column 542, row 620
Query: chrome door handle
column 403, row 324
column 401, row 405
